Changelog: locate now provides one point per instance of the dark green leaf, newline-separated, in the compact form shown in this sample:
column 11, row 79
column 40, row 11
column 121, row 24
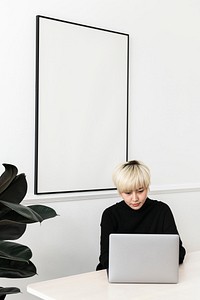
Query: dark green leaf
column 14, row 217
column 23, row 211
column 44, row 211
column 8, row 290
column 41, row 212
column 16, row 269
column 16, row 190
column 11, row 230
column 3, row 211
column 8, row 176
column 14, row 251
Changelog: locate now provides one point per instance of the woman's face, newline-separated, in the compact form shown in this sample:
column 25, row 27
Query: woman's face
column 135, row 199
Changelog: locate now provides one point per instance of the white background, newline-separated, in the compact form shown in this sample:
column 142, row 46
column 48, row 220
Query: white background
column 164, row 123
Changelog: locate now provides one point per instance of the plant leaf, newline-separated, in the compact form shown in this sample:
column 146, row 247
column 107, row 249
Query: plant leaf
column 14, row 251
column 2, row 297
column 3, row 211
column 15, row 217
column 11, row 230
column 8, row 290
column 23, row 210
column 7, row 176
column 16, row 190
column 44, row 211
column 16, row 269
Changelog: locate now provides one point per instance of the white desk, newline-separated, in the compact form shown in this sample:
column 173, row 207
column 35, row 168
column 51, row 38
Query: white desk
column 95, row 286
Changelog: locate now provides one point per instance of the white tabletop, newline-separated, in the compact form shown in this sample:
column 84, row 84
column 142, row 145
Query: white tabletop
column 95, row 286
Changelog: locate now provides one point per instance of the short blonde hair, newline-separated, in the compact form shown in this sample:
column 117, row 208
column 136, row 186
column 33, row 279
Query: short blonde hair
column 130, row 176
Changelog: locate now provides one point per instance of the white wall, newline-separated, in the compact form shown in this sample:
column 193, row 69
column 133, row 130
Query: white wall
column 164, row 123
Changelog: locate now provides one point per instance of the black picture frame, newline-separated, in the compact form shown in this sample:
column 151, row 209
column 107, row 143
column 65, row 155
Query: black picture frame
column 81, row 107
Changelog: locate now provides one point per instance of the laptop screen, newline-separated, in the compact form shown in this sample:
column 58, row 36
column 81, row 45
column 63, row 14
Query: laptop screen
column 143, row 258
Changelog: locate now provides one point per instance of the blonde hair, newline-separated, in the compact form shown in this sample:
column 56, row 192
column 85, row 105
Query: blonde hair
column 130, row 176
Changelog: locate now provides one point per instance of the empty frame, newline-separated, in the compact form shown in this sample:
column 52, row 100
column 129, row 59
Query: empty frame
column 81, row 106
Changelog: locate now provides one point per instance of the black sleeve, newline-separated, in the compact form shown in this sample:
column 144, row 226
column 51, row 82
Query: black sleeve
column 108, row 226
column 170, row 228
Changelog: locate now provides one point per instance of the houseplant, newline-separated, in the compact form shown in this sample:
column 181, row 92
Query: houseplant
column 14, row 217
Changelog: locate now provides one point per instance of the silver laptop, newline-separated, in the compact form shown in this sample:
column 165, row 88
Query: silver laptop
column 143, row 258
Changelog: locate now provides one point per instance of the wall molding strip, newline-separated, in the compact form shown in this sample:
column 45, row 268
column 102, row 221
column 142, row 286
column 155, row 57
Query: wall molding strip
column 154, row 190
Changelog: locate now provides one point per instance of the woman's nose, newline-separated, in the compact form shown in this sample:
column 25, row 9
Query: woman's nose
column 134, row 196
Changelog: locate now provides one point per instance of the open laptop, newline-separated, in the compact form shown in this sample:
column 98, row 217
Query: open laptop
column 143, row 258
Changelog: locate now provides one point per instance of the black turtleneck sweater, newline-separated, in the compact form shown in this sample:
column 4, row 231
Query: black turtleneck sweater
column 154, row 217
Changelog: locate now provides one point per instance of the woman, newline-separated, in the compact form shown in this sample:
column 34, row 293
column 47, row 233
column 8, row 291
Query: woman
column 136, row 213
